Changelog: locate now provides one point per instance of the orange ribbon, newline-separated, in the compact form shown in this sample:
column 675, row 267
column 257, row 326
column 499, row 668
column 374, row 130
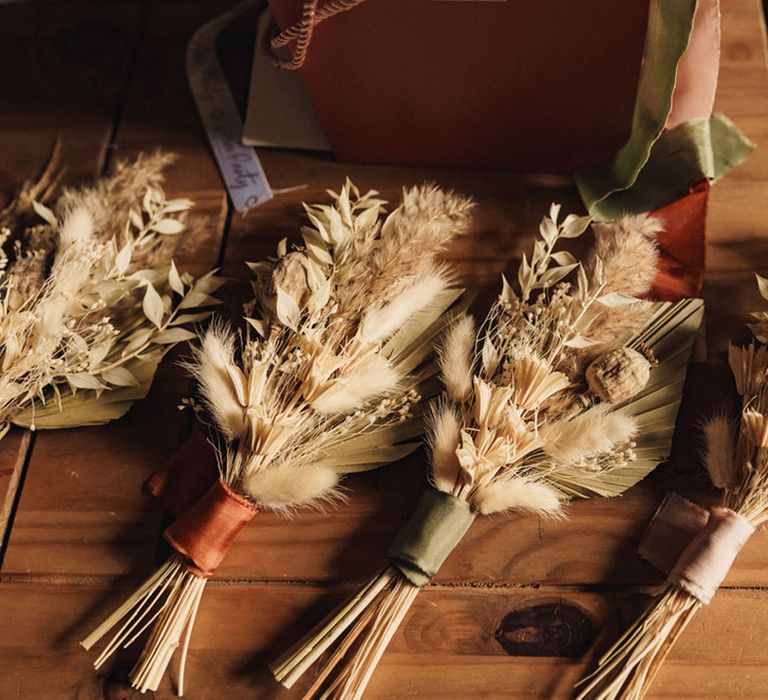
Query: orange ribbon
column 204, row 532
column 186, row 476
column 682, row 244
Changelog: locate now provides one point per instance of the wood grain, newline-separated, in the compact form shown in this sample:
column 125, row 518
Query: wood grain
column 515, row 584
column 446, row 648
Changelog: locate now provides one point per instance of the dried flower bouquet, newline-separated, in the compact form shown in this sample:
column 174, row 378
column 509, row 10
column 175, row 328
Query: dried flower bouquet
column 90, row 299
column 736, row 458
column 566, row 390
column 326, row 378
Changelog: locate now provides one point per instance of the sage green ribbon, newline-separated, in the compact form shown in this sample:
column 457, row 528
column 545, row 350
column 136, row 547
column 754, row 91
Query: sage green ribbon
column 656, row 166
column 705, row 148
column 669, row 30
column 433, row 531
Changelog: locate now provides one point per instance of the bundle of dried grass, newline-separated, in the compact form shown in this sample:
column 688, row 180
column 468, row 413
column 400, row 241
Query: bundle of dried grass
column 327, row 380
column 90, row 299
column 736, row 458
column 553, row 397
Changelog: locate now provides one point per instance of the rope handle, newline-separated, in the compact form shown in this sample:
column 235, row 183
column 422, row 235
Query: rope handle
column 301, row 32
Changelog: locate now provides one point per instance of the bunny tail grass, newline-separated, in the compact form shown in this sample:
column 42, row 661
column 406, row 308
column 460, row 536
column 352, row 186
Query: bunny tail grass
column 627, row 670
column 168, row 601
column 356, row 635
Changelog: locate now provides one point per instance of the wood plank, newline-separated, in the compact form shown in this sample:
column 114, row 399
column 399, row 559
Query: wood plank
column 450, row 645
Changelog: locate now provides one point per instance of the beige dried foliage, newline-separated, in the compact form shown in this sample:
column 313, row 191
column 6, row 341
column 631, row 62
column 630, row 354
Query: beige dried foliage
column 90, row 299
column 455, row 358
column 517, row 428
column 327, row 377
column 719, row 443
column 520, row 494
column 627, row 252
column 444, row 435
column 736, row 458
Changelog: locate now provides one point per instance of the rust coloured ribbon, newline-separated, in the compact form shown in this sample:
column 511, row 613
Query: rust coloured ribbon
column 682, row 246
column 186, row 476
column 204, row 532
column 694, row 547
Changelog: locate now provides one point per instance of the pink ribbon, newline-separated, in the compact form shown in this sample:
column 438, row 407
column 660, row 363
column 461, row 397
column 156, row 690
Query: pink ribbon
column 694, row 547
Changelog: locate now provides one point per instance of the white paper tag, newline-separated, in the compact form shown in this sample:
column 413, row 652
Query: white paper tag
column 239, row 165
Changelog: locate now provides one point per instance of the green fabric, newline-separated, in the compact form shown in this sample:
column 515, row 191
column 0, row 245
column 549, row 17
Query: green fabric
column 669, row 30
column 699, row 149
column 435, row 528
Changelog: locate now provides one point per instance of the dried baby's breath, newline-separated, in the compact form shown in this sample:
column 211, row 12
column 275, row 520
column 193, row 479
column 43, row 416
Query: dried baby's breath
column 90, row 299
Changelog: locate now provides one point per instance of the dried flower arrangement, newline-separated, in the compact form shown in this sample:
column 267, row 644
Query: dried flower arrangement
column 90, row 299
column 696, row 547
column 566, row 390
column 329, row 379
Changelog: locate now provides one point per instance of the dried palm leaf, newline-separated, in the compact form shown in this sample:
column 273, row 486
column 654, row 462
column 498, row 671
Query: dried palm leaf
column 329, row 379
column 519, row 427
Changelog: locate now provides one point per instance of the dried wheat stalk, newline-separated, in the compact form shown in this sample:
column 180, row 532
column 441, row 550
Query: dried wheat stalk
column 736, row 458
column 90, row 299
column 327, row 378
column 547, row 400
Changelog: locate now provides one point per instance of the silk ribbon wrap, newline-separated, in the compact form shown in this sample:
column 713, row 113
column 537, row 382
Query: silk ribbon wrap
column 693, row 546
column 186, row 476
column 204, row 532
column 433, row 531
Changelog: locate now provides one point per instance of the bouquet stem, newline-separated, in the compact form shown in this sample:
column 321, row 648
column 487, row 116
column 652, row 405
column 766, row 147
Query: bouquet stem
column 168, row 601
column 359, row 633
column 627, row 670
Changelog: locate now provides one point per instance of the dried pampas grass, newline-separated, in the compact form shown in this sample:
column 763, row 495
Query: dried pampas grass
column 327, row 377
column 90, row 299
column 518, row 428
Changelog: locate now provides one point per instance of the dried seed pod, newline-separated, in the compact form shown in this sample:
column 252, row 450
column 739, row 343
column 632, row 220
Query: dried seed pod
column 618, row 375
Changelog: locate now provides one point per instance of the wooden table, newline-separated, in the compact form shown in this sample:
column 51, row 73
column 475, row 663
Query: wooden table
column 523, row 605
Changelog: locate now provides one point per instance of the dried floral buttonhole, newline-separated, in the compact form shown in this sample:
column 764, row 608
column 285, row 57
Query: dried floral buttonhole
column 568, row 389
column 736, row 459
column 327, row 377
column 90, row 299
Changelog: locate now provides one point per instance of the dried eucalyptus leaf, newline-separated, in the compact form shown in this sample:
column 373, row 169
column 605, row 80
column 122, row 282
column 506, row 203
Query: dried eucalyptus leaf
column 123, row 258
column 172, row 336
column 288, row 311
column 174, row 280
column 189, row 318
column 168, row 227
column 195, row 299
column 574, row 226
column 83, row 380
column 119, row 376
column 153, row 306
column 174, row 205
column 762, row 285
